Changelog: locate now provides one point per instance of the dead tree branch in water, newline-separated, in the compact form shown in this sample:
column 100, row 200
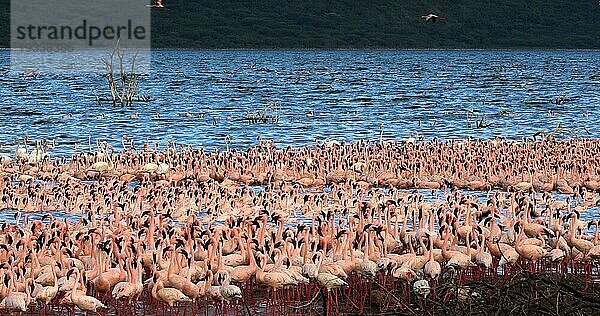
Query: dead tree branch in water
column 123, row 81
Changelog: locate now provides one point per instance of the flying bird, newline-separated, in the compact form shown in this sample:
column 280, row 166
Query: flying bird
column 432, row 18
column 157, row 4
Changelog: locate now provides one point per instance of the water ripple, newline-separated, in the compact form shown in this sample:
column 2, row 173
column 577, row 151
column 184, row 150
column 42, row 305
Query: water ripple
column 350, row 93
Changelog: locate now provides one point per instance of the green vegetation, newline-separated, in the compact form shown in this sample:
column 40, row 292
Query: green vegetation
column 370, row 24
column 4, row 23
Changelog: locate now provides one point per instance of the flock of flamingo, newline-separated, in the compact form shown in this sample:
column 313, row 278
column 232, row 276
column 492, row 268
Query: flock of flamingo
column 183, row 230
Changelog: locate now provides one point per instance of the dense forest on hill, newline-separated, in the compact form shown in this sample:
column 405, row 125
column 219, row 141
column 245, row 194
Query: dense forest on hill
column 369, row 24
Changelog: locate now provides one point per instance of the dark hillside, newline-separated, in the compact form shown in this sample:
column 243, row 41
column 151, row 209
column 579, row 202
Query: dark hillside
column 370, row 24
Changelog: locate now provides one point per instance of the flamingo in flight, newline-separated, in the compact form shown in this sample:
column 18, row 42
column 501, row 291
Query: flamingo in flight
column 157, row 4
column 432, row 18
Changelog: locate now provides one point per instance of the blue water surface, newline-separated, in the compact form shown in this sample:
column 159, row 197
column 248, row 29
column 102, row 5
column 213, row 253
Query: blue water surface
column 343, row 95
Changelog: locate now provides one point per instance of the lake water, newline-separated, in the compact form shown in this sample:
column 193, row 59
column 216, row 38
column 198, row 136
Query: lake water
column 347, row 95
column 317, row 95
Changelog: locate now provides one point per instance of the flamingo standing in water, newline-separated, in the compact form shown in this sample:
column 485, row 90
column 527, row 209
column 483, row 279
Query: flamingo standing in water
column 432, row 268
column 84, row 302
column 17, row 301
column 111, row 250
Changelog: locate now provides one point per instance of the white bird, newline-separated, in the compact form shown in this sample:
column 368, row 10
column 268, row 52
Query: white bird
column 168, row 295
column 330, row 281
column 16, row 301
column 84, row 302
column 432, row 18
column 101, row 166
column 5, row 160
column 36, row 155
column 230, row 292
column 421, row 288
column 21, row 153
column 46, row 294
